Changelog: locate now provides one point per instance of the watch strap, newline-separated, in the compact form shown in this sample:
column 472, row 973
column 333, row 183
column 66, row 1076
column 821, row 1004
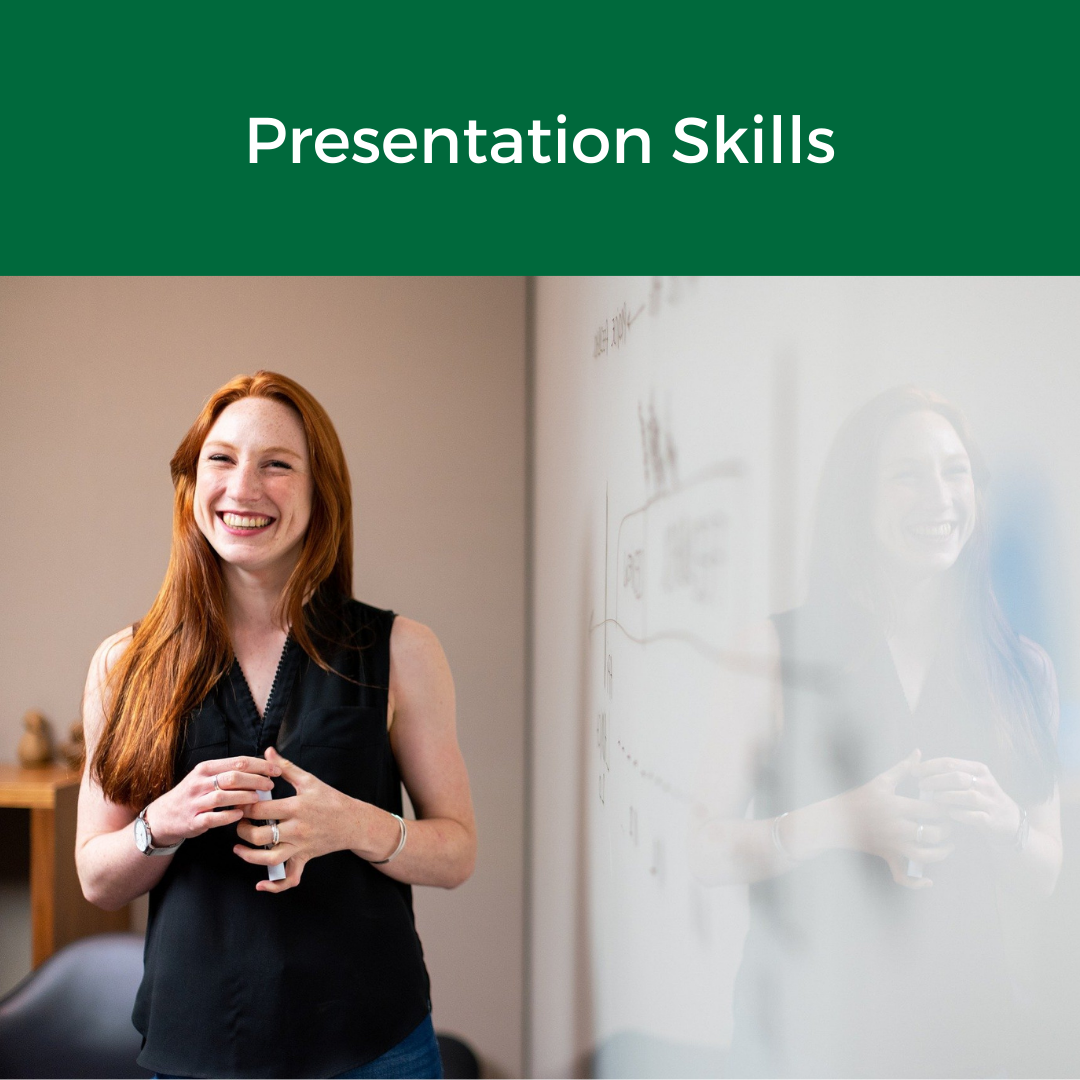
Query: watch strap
column 150, row 849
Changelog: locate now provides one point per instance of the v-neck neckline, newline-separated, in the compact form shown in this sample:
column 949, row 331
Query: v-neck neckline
column 911, row 708
column 259, row 720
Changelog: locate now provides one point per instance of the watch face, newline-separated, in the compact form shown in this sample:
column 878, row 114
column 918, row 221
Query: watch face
column 142, row 835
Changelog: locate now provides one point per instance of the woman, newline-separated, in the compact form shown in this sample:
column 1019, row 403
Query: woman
column 255, row 676
column 904, row 751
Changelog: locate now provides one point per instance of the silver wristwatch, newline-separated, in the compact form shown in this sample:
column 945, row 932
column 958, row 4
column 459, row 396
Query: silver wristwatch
column 144, row 839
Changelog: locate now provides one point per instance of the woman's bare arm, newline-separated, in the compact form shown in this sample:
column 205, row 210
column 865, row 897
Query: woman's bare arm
column 441, row 848
column 1038, row 864
column 112, row 870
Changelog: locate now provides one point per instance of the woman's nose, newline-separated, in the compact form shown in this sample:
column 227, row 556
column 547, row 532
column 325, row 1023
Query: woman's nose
column 937, row 493
column 244, row 483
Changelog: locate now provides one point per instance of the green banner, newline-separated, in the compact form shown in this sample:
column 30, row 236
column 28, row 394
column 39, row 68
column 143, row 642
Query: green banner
column 944, row 139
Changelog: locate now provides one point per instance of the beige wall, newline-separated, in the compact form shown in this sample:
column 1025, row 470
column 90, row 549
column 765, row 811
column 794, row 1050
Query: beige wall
column 425, row 381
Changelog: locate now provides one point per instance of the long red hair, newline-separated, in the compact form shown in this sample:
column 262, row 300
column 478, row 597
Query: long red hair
column 182, row 646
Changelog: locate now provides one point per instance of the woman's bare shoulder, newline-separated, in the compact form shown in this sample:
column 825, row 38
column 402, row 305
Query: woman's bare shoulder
column 420, row 678
column 110, row 650
column 1042, row 668
column 105, row 657
column 1037, row 655
column 412, row 642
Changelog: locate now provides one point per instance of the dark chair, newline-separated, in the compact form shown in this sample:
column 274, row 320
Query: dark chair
column 459, row 1061
column 72, row 1016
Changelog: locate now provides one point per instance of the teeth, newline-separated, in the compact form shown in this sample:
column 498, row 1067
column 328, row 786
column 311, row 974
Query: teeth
column 939, row 530
column 241, row 521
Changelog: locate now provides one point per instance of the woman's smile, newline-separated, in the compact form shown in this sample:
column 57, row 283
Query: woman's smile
column 240, row 524
column 932, row 531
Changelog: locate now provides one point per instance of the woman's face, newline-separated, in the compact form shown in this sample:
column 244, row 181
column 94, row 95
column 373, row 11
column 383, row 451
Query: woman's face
column 253, row 488
column 924, row 506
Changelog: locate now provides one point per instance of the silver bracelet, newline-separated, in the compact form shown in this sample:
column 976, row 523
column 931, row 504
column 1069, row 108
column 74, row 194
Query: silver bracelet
column 401, row 843
column 1020, row 840
column 777, row 842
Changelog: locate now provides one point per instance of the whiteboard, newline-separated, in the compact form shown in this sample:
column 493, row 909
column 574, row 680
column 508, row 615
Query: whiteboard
column 680, row 425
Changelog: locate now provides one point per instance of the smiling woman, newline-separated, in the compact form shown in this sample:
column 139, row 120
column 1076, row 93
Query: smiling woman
column 925, row 509
column 256, row 724
column 254, row 480
column 906, row 774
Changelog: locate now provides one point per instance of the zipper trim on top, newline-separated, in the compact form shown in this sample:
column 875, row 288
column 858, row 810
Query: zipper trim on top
column 274, row 681
column 260, row 721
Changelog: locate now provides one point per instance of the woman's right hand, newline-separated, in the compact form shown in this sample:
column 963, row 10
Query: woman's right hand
column 874, row 819
column 197, row 803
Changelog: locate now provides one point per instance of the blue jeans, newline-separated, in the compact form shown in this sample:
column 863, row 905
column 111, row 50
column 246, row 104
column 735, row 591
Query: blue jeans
column 416, row 1057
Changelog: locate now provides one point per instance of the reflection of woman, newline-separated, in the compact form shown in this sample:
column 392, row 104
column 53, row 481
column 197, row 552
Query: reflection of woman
column 906, row 775
column 254, row 645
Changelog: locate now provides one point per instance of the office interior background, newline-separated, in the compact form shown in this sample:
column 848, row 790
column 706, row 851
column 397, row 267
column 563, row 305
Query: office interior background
column 539, row 469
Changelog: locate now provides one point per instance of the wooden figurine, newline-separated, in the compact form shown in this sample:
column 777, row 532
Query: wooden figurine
column 35, row 746
column 73, row 750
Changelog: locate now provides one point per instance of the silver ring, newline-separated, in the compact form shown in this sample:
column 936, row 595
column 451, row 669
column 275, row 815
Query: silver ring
column 275, row 834
column 973, row 779
column 919, row 834
column 217, row 786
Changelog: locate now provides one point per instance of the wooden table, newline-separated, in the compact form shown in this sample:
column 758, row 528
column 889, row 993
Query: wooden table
column 58, row 911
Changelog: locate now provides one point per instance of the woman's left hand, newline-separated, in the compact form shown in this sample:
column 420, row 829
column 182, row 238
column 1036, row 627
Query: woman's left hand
column 316, row 820
column 968, row 792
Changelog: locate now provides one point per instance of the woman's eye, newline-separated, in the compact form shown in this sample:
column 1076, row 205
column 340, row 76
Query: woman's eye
column 217, row 457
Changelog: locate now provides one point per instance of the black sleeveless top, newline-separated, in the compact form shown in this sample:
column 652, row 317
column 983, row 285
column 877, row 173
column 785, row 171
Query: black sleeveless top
column 320, row 978
column 845, row 972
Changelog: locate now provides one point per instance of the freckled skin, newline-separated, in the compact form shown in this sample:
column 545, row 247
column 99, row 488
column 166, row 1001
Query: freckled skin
column 255, row 461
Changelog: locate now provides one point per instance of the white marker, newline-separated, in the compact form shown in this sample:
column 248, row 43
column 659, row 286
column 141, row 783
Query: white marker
column 915, row 869
column 275, row 873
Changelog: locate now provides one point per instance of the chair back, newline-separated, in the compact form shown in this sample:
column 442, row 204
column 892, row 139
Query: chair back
column 458, row 1059
column 72, row 1016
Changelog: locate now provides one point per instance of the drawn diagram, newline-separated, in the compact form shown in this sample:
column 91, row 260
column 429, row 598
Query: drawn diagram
column 681, row 523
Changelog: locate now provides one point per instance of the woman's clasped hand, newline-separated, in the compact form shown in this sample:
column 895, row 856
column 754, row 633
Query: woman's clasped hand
column 315, row 821
column 903, row 830
column 213, row 794
column 967, row 792
column 899, row 829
